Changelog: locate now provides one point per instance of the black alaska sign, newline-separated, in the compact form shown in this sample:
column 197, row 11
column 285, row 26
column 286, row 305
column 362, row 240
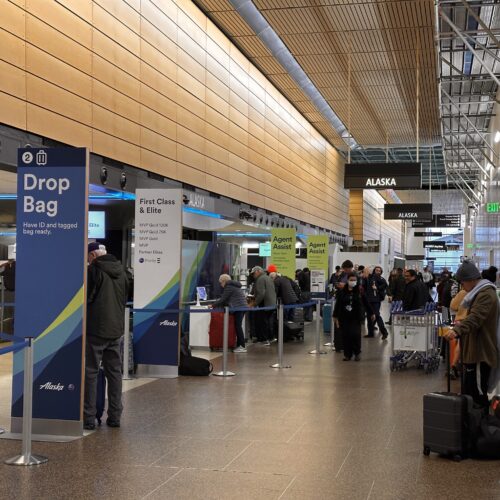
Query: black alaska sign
column 408, row 211
column 382, row 176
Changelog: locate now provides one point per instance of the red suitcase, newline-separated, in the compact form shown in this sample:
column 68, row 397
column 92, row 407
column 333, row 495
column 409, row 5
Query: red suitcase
column 216, row 331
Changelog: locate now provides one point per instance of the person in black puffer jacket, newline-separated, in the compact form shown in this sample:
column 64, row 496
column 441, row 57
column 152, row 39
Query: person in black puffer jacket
column 107, row 290
column 233, row 297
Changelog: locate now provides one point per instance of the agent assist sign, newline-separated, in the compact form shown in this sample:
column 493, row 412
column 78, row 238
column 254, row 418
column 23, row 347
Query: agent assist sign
column 382, row 176
column 408, row 211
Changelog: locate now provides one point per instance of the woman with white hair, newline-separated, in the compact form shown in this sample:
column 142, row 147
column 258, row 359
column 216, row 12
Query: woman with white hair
column 233, row 297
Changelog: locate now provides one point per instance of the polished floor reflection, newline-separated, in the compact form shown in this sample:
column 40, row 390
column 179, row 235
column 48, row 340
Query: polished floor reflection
column 323, row 429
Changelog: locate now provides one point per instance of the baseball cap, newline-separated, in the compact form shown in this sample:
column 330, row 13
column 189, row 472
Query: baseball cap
column 256, row 268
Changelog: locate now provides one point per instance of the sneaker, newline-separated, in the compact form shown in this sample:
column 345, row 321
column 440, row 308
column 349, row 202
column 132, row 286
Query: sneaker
column 346, row 359
column 89, row 426
column 274, row 340
column 357, row 357
column 112, row 423
column 266, row 343
column 240, row 349
column 384, row 336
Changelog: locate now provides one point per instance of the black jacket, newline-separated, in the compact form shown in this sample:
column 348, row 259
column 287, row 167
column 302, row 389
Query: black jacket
column 305, row 281
column 232, row 296
column 107, row 289
column 379, row 294
column 356, row 301
column 397, row 287
column 284, row 290
column 415, row 296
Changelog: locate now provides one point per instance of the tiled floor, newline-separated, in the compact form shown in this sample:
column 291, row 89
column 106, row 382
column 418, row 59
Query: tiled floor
column 323, row 429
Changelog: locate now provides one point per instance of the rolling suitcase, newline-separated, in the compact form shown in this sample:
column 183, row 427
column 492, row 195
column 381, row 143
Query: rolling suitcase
column 216, row 331
column 100, row 401
column 447, row 422
column 327, row 318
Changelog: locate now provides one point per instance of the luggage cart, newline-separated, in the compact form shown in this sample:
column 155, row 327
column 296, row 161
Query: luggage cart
column 415, row 338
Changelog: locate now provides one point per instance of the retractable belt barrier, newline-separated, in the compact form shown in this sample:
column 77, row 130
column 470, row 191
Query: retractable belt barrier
column 26, row 457
column 227, row 310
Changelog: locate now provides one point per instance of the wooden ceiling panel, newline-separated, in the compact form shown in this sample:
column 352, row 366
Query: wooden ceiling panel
column 382, row 37
column 252, row 45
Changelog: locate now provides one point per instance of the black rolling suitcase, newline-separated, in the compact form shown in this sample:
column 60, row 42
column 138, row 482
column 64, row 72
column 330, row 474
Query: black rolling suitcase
column 447, row 422
column 100, row 401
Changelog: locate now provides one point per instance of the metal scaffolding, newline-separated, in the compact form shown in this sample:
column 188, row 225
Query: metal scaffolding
column 468, row 43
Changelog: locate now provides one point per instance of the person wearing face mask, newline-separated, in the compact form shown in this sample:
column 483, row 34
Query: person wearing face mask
column 349, row 314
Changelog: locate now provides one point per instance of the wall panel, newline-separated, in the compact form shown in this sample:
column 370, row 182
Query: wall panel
column 155, row 84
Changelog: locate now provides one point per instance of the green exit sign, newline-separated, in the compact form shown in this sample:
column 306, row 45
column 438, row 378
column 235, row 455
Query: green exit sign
column 493, row 207
column 470, row 245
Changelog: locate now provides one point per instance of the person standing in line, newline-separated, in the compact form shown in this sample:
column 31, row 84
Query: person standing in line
column 305, row 289
column 396, row 288
column 265, row 296
column 348, row 316
column 107, row 290
column 428, row 278
column 477, row 332
column 375, row 288
column 334, row 278
column 415, row 294
column 490, row 274
column 444, row 295
column 284, row 292
column 233, row 297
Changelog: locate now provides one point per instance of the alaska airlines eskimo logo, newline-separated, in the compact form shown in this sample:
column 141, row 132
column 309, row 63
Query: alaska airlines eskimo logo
column 380, row 181
column 168, row 323
column 49, row 386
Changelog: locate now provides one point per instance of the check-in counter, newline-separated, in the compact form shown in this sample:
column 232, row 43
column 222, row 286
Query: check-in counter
column 199, row 325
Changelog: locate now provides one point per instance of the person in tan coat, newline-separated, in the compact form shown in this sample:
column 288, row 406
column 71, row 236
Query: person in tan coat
column 477, row 331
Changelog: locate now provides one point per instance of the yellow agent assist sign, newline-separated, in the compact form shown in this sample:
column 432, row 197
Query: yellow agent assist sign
column 283, row 251
column 317, row 253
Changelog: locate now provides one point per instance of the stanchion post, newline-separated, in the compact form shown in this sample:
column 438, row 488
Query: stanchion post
column 318, row 318
column 26, row 458
column 126, row 346
column 225, row 342
column 280, row 364
column 2, row 304
column 332, row 341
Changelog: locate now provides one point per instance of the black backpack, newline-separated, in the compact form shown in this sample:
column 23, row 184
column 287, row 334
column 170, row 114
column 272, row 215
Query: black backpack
column 191, row 366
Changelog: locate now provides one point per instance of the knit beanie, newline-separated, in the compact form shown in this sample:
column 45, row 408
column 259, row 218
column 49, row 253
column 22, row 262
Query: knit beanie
column 468, row 272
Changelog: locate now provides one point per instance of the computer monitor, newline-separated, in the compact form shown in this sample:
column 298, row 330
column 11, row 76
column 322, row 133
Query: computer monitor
column 201, row 291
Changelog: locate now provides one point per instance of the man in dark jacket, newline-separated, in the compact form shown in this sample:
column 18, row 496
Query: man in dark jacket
column 265, row 296
column 416, row 294
column 305, row 291
column 396, row 288
column 284, row 292
column 233, row 297
column 375, row 288
column 107, row 289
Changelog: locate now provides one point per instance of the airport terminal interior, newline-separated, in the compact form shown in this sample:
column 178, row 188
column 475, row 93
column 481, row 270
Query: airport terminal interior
column 221, row 210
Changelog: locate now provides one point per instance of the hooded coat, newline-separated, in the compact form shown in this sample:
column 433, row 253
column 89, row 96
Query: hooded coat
column 232, row 296
column 107, row 290
column 478, row 331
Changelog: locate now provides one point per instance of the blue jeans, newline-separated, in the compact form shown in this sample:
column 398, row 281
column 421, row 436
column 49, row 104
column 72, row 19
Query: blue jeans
column 238, row 326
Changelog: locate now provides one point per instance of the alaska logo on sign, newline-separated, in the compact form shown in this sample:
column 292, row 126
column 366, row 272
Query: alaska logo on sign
column 49, row 386
column 407, row 211
column 381, row 182
column 382, row 176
